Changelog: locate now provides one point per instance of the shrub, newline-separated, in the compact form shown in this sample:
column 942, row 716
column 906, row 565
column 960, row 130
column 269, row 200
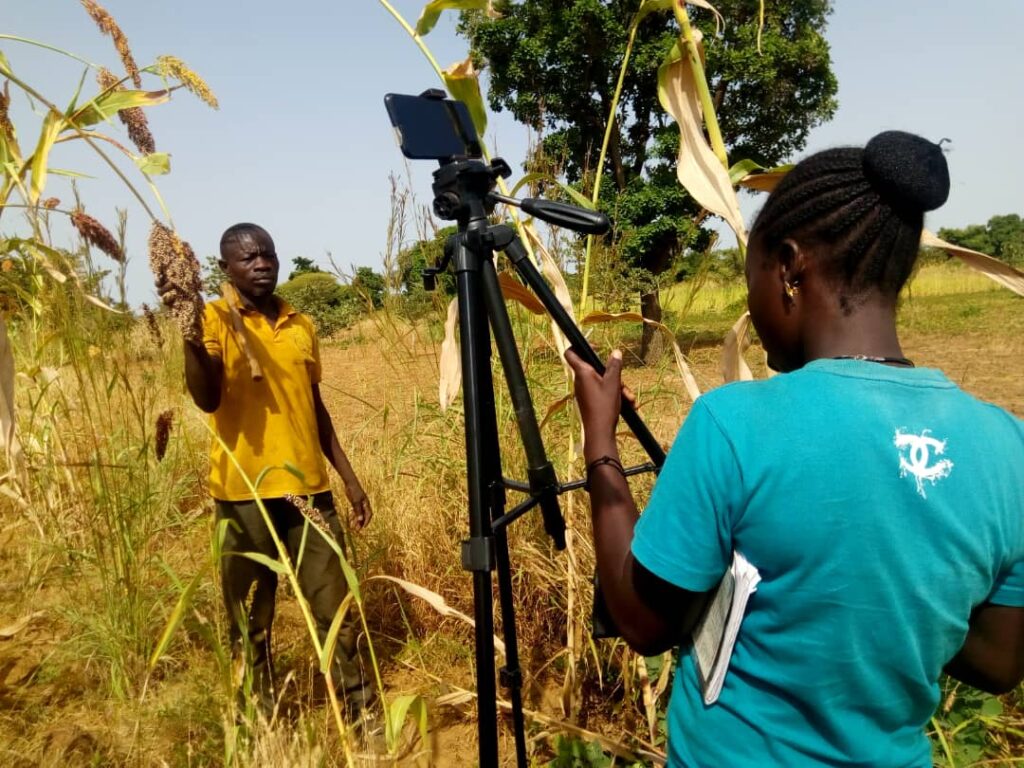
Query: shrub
column 331, row 305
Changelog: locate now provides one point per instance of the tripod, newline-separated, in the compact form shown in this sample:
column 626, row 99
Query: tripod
column 463, row 191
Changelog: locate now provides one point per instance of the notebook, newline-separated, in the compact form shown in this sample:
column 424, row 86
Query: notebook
column 715, row 634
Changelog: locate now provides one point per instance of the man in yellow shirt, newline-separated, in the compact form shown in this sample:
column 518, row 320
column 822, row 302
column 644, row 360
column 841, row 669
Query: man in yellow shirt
column 274, row 433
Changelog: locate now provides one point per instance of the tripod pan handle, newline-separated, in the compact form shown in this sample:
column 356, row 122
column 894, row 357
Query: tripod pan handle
column 565, row 215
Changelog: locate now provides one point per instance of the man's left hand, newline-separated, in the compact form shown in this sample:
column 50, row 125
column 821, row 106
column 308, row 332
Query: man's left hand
column 361, row 510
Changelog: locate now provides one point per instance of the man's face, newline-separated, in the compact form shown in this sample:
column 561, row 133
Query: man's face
column 251, row 264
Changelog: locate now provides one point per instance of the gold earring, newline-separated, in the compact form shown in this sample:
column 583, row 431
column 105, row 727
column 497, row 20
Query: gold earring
column 791, row 290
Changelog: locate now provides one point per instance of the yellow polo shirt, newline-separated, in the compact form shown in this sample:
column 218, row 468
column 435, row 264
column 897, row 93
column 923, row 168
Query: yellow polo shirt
column 269, row 423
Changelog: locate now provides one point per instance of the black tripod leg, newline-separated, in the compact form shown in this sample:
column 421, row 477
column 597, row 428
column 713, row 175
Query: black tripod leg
column 543, row 482
column 478, row 552
column 542, row 475
column 532, row 277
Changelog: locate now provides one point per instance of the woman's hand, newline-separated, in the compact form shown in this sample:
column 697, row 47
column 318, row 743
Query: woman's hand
column 600, row 401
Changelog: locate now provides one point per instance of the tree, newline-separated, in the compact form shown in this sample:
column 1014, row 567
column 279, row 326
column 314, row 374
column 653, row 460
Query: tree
column 1002, row 237
column 303, row 266
column 213, row 276
column 555, row 66
column 370, row 285
column 420, row 255
column 330, row 304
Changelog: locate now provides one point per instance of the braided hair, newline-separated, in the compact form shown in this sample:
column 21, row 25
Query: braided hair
column 861, row 210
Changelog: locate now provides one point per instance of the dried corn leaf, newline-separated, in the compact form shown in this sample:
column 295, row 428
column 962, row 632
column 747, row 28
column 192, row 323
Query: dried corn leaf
column 650, row 708
column 6, row 633
column 993, row 268
column 684, row 367
column 698, row 168
column 463, row 83
column 764, row 181
column 451, row 362
column 53, row 124
column 8, row 436
column 664, row 676
column 556, row 407
column 648, row 7
column 432, row 11
column 513, row 290
column 553, row 274
column 734, row 367
column 436, row 602
column 100, row 303
column 754, row 176
column 230, row 294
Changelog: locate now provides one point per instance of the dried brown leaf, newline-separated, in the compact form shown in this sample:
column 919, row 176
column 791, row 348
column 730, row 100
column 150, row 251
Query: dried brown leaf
column 437, row 602
column 1002, row 273
column 6, row 633
column 9, row 442
column 692, row 389
column 451, row 361
column 698, row 168
column 734, row 367
column 513, row 290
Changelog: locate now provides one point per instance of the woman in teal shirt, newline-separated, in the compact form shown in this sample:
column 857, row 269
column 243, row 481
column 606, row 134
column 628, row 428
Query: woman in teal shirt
column 883, row 506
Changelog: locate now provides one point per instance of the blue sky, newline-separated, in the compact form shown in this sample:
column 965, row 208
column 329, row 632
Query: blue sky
column 302, row 145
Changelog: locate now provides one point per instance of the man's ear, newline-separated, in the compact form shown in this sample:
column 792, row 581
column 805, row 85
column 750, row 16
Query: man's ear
column 793, row 262
column 223, row 264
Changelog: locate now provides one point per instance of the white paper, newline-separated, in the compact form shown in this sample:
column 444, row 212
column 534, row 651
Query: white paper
column 716, row 632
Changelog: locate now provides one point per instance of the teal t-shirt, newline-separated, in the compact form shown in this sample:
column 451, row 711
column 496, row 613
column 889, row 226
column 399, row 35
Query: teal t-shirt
column 880, row 505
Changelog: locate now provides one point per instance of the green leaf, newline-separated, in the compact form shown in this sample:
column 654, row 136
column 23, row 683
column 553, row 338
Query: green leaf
column 463, row 83
column 156, row 164
column 401, row 708
column 743, row 168
column 992, row 707
column 289, row 467
column 108, row 104
column 647, row 7
column 331, row 640
column 432, row 11
column 53, row 124
column 78, row 92
column 275, row 565
column 173, row 622
column 70, row 174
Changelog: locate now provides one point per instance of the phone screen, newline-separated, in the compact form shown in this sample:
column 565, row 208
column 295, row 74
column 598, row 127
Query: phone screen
column 432, row 128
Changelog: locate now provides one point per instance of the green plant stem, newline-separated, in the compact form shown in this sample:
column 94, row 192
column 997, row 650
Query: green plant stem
column 699, row 78
column 604, row 150
column 55, row 49
column 416, row 38
column 85, row 136
column 947, row 750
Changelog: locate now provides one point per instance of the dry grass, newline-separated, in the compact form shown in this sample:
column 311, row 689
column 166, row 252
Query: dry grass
column 58, row 701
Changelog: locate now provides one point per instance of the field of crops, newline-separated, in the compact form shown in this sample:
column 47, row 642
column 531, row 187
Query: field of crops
column 114, row 552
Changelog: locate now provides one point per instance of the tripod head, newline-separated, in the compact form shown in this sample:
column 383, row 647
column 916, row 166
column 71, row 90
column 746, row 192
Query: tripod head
column 464, row 192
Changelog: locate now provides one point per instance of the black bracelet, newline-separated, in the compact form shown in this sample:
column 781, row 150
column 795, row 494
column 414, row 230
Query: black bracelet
column 610, row 461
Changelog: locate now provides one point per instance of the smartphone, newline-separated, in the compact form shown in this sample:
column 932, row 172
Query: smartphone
column 432, row 128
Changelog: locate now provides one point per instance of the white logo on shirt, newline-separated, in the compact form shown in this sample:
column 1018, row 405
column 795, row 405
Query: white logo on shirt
column 916, row 455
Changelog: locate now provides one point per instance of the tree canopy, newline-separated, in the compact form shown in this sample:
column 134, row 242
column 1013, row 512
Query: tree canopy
column 1002, row 237
column 554, row 66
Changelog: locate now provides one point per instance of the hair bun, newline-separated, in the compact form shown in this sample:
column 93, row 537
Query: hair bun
column 908, row 171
